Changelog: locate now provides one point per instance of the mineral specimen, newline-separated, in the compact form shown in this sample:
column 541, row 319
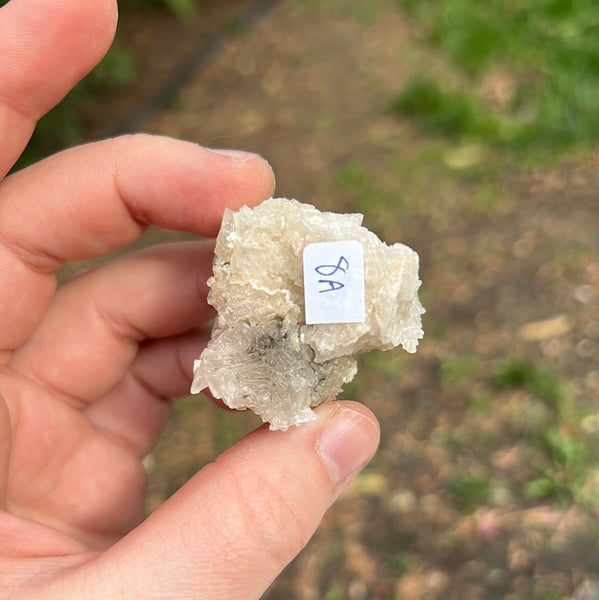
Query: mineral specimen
column 298, row 294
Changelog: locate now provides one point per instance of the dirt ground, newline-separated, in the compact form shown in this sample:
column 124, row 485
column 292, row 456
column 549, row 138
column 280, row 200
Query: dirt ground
column 510, row 272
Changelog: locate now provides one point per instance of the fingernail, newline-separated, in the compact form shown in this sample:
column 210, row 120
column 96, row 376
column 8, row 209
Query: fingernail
column 347, row 443
column 233, row 153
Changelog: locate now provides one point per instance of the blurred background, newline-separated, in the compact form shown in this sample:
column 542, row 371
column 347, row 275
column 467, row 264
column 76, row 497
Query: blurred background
column 466, row 130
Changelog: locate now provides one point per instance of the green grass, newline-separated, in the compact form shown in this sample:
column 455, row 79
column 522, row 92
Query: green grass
column 544, row 384
column 335, row 592
column 375, row 365
column 565, row 456
column 547, row 52
column 360, row 184
column 468, row 492
column 455, row 115
column 397, row 564
column 547, row 595
column 388, row 364
column 180, row 8
column 458, row 370
column 524, row 404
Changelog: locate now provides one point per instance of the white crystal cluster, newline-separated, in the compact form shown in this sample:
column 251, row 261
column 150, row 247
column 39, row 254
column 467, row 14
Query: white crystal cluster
column 262, row 354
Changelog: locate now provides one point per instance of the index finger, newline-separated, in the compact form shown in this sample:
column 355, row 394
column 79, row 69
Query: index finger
column 45, row 49
column 92, row 199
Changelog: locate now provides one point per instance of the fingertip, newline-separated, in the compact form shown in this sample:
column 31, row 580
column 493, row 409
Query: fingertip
column 348, row 440
column 196, row 182
column 254, row 167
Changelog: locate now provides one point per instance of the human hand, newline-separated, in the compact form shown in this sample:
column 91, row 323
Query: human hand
column 85, row 371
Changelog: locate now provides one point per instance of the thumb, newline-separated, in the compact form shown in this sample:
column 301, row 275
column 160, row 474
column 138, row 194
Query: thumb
column 5, row 446
column 233, row 527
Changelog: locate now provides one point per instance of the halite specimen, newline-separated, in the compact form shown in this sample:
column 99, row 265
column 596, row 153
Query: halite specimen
column 262, row 354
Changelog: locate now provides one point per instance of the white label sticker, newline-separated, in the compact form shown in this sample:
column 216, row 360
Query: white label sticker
column 334, row 282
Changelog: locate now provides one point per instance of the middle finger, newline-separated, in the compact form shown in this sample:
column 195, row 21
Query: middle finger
column 95, row 323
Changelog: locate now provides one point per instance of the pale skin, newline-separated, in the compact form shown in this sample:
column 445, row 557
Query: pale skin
column 86, row 371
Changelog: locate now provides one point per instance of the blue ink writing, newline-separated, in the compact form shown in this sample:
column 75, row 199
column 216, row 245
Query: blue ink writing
column 333, row 285
column 330, row 270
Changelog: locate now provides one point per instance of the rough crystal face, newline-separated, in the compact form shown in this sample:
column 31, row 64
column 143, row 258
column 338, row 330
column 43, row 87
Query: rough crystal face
column 262, row 354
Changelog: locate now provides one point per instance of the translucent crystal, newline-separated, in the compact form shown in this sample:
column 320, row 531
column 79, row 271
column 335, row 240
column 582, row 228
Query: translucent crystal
column 262, row 354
